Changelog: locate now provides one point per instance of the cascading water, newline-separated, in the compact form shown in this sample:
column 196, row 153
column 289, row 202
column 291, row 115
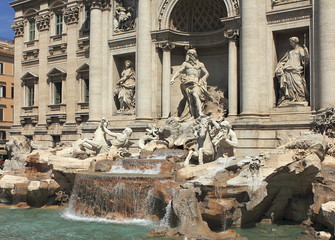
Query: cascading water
column 122, row 194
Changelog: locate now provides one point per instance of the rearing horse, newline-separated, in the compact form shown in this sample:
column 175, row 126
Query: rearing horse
column 203, row 148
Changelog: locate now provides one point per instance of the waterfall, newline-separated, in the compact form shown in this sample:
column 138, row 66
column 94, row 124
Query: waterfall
column 166, row 221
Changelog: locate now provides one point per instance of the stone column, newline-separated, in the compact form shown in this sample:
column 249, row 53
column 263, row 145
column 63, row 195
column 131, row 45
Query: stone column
column 166, row 95
column 249, row 58
column 325, row 38
column 144, row 62
column 18, row 28
column 232, row 71
column 96, row 66
column 71, row 19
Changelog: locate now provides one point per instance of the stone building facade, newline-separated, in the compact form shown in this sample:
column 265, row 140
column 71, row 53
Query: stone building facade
column 6, row 92
column 70, row 57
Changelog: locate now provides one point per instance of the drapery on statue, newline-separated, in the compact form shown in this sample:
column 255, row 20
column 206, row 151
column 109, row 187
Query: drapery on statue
column 193, row 83
column 125, row 88
column 291, row 74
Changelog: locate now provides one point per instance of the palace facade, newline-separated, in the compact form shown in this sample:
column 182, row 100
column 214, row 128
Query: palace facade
column 70, row 64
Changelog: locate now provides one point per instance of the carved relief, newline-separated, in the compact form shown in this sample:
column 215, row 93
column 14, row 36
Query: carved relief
column 231, row 34
column 124, row 16
column 71, row 15
column 18, row 28
column 290, row 72
column 125, row 89
column 43, row 22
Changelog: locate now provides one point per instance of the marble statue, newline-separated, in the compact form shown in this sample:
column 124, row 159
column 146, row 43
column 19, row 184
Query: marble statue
column 98, row 144
column 124, row 17
column 125, row 88
column 291, row 74
column 193, row 76
column 202, row 146
column 119, row 142
column 225, row 140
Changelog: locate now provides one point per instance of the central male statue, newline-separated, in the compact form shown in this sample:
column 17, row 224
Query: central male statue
column 193, row 82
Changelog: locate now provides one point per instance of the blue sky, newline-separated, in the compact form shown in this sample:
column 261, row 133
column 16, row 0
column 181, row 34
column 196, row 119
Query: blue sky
column 6, row 19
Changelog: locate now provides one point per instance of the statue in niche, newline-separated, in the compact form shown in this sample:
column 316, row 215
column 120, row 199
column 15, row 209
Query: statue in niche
column 291, row 74
column 124, row 17
column 193, row 76
column 125, row 89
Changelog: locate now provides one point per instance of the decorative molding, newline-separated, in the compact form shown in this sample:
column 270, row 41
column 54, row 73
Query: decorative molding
column 71, row 15
column 187, row 39
column 122, row 43
column 283, row 2
column 30, row 54
column 18, row 28
column 161, row 13
column 43, row 22
column 231, row 23
column 236, row 4
column 58, row 48
column 295, row 14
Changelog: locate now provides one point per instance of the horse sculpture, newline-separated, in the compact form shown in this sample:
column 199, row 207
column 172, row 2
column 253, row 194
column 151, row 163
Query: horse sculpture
column 202, row 146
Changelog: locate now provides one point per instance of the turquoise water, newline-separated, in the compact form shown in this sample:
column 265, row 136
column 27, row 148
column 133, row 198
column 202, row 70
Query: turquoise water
column 275, row 232
column 50, row 224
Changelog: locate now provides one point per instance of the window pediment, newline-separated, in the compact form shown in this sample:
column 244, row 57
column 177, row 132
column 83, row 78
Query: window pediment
column 29, row 78
column 83, row 71
column 56, row 74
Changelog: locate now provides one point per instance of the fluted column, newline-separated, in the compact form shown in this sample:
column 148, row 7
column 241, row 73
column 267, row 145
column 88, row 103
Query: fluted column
column 96, row 66
column 232, row 71
column 166, row 94
column 325, row 40
column 144, row 62
column 249, row 58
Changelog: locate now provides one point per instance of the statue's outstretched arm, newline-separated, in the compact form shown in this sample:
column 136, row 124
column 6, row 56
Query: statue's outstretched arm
column 180, row 70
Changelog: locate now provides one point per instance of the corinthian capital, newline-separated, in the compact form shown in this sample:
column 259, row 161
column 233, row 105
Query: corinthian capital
column 18, row 28
column 98, row 3
column 231, row 34
column 71, row 15
column 166, row 46
column 43, row 22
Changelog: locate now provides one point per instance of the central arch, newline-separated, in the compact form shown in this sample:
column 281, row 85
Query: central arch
column 169, row 6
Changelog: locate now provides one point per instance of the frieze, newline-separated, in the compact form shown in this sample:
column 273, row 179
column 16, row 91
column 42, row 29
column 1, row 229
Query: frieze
column 289, row 16
column 43, row 22
column 71, row 15
column 18, row 28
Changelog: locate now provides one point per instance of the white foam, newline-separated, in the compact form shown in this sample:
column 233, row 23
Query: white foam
column 120, row 170
column 68, row 214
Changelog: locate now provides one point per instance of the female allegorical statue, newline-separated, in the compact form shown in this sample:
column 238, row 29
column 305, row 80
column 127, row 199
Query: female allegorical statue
column 125, row 88
column 291, row 74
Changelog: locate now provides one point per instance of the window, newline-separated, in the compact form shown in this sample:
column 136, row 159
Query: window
column 31, row 30
column 57, row 92
column 1, row 114
column 87, row 18
column 30, row 95
column 2, row 135
column 1, row 68
column 12, row 92
column 3, row 91
column 59, row 24
column 86, row 90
